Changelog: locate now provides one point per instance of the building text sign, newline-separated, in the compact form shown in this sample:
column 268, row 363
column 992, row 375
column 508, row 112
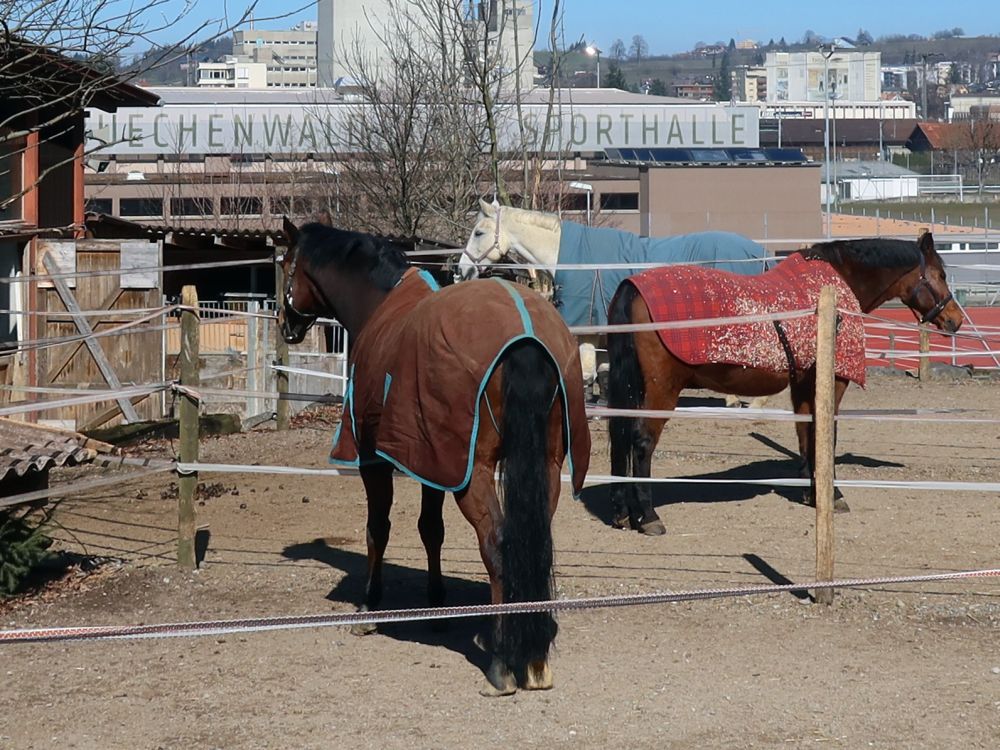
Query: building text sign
column 325, row 128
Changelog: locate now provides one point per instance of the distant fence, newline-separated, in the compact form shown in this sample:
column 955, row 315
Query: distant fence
column 940, row 184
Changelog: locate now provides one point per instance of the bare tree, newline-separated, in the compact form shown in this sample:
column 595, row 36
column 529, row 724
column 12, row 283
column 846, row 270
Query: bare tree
column 440, row 118
column 638, row 49
column 96, row 33
column 976, row 143
column 617, row 50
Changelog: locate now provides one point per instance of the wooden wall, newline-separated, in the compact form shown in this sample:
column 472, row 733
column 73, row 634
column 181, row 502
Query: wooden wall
column 136, row 356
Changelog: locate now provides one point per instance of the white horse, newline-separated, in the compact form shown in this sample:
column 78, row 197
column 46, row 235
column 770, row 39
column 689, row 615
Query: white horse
column 531, row 238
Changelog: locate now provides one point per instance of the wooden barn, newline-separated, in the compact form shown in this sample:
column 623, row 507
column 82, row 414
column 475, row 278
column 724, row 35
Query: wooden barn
column 43, row 97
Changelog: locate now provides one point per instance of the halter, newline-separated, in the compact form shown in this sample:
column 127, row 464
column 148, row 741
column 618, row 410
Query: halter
column 923, row 283
column 476, row 260
column 289, row 280
column 511, row 252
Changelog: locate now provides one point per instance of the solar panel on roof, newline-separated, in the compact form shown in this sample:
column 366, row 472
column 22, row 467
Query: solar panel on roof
column 707, row 155
column 715, row 155
column 784, row 154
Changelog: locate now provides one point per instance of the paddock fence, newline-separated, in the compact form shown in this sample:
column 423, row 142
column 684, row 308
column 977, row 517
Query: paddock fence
column 890, row 340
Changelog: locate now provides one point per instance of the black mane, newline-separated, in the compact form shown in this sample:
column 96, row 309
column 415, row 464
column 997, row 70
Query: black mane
column 383, row 261
column 873, row 253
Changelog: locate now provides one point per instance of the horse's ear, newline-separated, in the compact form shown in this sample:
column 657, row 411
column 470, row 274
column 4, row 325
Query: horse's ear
column 925, row 243
column 486, row 208
column 291, row 231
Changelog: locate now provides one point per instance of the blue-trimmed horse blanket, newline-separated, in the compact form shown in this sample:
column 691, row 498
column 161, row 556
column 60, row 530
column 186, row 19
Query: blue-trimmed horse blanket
column 419, row 368
column 583, row 297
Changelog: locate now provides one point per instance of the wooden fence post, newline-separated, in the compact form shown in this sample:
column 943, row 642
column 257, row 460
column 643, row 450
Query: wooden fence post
column 190, row 377
column 280, row 353
column 824, row 434
column 924, row 368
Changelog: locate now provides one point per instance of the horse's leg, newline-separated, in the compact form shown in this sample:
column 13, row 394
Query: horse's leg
column 665, row 376
column 803, row 392
column 377, row 479
column 431, row 527
column 480, row 505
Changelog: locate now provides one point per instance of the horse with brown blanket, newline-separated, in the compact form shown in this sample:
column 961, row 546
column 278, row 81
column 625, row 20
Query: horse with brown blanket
column 447, row 385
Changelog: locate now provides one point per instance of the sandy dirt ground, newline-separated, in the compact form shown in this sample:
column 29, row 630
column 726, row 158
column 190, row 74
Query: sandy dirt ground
column 906, row 666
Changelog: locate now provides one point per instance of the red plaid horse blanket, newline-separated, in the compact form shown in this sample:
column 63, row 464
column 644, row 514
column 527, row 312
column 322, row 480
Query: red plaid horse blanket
column 419, row 366
column 690, row 292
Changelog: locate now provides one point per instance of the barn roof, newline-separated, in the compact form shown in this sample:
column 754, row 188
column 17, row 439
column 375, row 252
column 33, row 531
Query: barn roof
column 935, row 136
column 35, row 73
column 104, row 226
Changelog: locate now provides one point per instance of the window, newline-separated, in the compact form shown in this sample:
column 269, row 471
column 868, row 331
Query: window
column 191, row 207
column 140, row 207
column 99, row 205
column 240, row 205
column 280, row 205
column 620, row 201
column 574, row 202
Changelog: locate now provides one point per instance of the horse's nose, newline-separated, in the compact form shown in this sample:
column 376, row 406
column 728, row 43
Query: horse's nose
column 467, row 271
column 951, row 325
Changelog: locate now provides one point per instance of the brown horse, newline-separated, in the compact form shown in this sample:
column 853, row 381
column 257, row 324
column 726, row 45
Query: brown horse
column 447, row 385
column 646, row 374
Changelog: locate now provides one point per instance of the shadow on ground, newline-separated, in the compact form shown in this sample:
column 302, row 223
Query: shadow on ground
column 597, row 498
column 405, row 588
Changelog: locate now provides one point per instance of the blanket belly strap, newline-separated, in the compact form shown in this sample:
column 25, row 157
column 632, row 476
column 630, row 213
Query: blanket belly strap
column 787, row 346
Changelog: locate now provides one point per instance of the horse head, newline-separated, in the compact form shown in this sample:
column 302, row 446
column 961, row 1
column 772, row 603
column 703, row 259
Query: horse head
column 928, row 295
column 878, row 270
column 298, row 308
column 487, row 244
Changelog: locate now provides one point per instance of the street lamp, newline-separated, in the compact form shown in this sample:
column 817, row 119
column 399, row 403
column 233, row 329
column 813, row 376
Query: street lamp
column 827, row 51
column 593, row 51
column 588, row 189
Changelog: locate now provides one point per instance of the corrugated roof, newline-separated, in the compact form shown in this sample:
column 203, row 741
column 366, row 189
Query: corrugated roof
column 113, row 227
column 28, row 448
column 854, row 170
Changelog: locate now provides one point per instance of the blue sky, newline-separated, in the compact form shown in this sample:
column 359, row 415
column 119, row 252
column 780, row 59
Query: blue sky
column 670, row 26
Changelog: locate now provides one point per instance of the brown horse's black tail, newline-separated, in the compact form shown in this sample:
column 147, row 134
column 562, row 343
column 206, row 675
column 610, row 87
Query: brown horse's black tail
column 626, row 387
column 529, row 393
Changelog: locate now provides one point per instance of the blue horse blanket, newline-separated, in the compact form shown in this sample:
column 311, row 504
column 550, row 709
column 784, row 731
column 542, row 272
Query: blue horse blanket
column 583, row 297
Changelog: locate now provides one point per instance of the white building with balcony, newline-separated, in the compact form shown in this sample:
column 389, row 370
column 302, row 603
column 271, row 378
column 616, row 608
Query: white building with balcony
column 232, row 73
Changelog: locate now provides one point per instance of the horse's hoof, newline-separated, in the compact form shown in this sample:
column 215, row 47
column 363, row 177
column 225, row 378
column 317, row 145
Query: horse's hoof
column 364, row 628
column 621, row 522
column 653, row 528
column 840, row 506
column 499, row 681
column 538, row 676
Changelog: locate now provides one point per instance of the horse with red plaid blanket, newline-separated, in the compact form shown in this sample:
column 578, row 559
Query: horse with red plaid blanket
column 649, row 369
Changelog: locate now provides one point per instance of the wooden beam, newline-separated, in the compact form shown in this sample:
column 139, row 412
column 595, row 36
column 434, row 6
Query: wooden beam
column 110, row 413
column 110, row 377
column 56, row 371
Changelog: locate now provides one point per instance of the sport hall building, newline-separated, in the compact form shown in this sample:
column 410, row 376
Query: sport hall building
column 653, row 165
